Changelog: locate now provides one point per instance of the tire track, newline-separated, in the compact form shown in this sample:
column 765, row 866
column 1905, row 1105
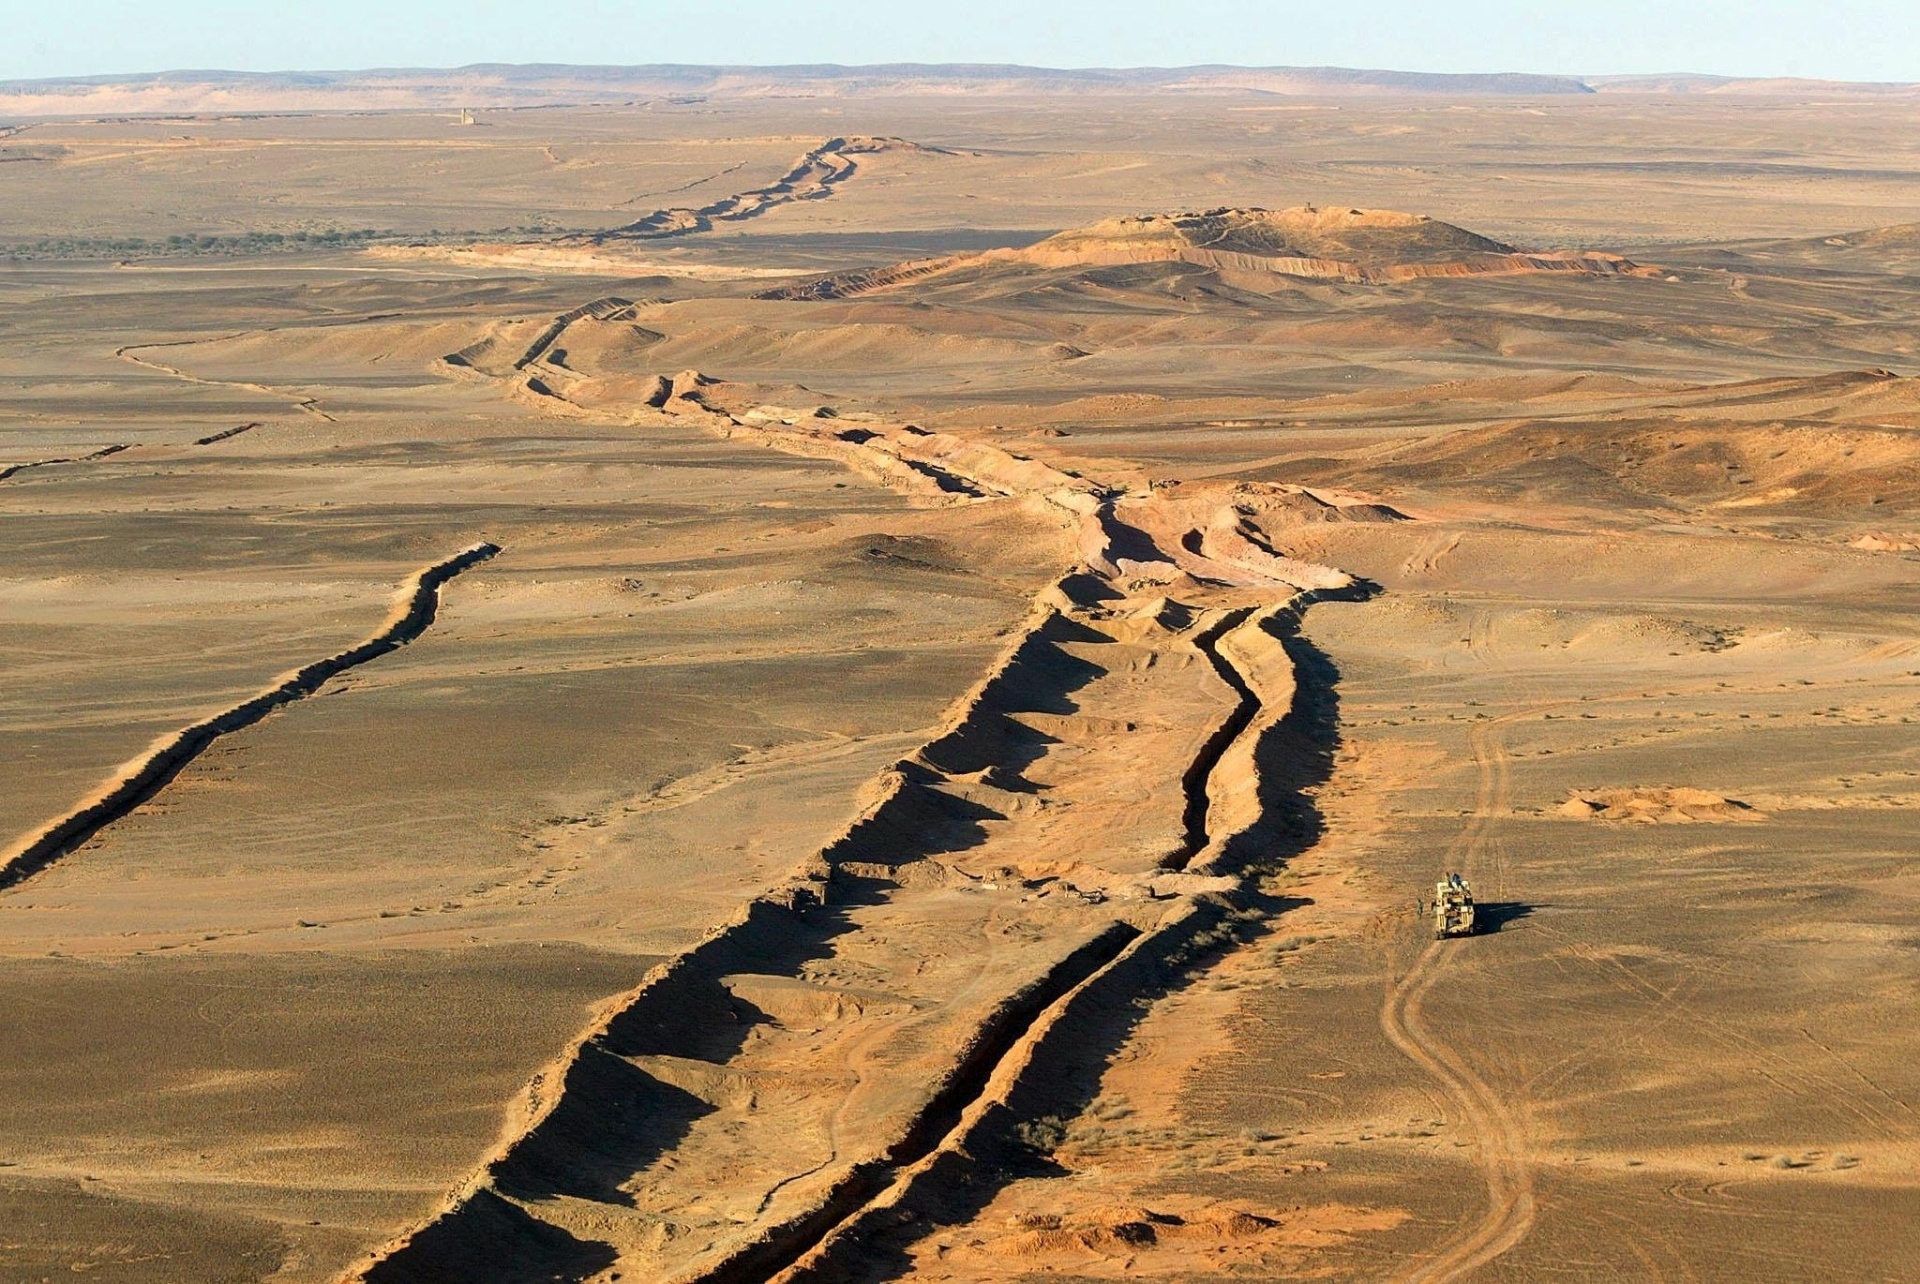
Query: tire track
column 1503, row 1137
column 306, row 405
column 1792, row 1076
column 414, row 611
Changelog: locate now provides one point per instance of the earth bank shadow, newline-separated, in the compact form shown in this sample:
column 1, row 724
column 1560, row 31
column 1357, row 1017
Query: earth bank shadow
column 1014, row 1140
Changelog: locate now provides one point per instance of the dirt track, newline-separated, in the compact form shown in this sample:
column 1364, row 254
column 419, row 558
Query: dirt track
column 1498, row 1124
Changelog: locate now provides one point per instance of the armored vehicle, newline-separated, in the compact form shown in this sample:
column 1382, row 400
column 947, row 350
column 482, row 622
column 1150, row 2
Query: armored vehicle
column 1452, row 908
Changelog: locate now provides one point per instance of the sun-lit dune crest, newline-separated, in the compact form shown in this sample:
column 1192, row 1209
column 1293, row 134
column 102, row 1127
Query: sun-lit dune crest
column 1832, row 442
column 1906, row 235
column 1331, row 243
column 1896, row 241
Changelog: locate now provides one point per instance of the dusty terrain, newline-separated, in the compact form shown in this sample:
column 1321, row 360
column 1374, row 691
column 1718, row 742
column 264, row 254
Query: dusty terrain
column 869, row 686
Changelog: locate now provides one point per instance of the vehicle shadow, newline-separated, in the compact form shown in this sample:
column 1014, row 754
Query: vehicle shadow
column 1491, row 916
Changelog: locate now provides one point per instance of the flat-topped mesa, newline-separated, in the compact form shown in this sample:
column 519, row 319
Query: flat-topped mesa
column 1366, row 239
column 1328, row 243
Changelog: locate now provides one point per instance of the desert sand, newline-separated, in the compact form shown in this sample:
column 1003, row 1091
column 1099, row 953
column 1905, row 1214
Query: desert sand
column 867, row 684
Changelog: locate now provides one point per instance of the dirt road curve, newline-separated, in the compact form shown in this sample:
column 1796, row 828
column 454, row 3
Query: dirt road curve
column 1500, row 1128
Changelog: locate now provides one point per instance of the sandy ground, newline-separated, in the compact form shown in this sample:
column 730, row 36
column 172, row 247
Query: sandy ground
column 939, row 775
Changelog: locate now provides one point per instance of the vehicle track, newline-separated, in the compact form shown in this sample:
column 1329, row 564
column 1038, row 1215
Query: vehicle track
column 305, row 405
column 414, row 611
column 1502, row 1133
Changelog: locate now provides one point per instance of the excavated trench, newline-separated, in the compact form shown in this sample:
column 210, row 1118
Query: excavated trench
column 782, row 1246
column 147, row 776
column 15, row 469
column 979, row 1083
column 813, row 177
column 613, row 1153
column 1200, row 770
column 229, row 434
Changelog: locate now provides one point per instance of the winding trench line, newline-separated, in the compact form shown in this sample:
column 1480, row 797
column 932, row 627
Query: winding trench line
column 810, row 178
column 780, row 1247
column 423, row 1250
column 816, row 1252
column 1008, row 1052
column 1511, row 1210
column 963, row 1156
column 600, row 309
column 811, row 1252
column 1023, row 1064
column 230, row 433
column 102, row 453
column 413, row 613
column 1200, row 770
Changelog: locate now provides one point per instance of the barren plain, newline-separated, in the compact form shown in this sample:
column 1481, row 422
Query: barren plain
column 854, row 688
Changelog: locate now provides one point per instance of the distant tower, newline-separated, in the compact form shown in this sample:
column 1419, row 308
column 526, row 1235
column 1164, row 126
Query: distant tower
column 466, row 116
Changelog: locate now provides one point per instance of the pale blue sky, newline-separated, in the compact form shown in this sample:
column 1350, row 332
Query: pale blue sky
column 1840, row 39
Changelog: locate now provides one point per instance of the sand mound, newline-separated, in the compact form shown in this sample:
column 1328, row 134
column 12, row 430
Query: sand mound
column 1885, row 543
column 1656, row 806
column 1124, row 1228
column 1623, row 635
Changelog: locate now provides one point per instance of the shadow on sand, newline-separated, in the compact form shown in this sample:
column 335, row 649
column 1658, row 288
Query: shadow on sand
column 1491, row 916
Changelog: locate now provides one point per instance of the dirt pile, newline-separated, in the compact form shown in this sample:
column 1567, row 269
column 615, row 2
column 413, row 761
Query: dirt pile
column 1123, row 1229
column 1888, row 543
column 1677, row 805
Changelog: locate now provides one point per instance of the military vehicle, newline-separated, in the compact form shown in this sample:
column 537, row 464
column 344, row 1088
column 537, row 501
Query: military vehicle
column 1452, row 908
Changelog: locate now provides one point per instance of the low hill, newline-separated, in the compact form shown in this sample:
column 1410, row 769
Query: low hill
column 1370, row 239
column 1750, row 86
column 1341, row 244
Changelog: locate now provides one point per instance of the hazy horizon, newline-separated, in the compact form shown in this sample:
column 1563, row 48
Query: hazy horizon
column 1591, row 77
column 1850, row 40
